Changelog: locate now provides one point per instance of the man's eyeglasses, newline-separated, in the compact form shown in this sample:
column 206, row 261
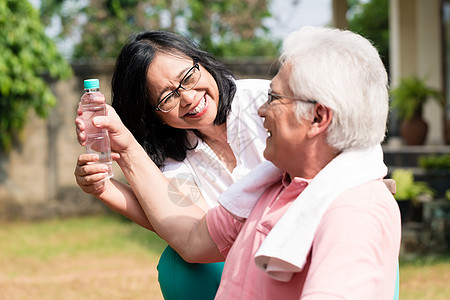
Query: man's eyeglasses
column 273, row 96
column 168, row 102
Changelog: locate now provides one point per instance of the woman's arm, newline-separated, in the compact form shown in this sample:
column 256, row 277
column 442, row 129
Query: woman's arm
column 180, row 223
column 114, row 194
column 91, row 179
column 182, row 226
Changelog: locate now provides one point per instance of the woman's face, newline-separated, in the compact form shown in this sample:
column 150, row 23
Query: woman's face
column 197, row 107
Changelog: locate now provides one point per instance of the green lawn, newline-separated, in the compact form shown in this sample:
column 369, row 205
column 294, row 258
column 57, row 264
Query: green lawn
column 425, row 278
column 106, row 257
column 102, row 257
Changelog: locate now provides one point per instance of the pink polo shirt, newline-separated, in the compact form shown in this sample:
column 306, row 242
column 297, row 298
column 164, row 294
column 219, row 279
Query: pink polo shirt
column 354, row 253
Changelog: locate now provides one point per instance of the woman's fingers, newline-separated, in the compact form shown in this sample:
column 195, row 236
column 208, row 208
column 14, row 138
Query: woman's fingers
column 115, row 156
column 91, row 180
column 80, row 127
column 89, row 175
column 86, row 158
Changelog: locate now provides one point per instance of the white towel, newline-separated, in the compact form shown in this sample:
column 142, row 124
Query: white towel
column 280, row 255
column 240, row 198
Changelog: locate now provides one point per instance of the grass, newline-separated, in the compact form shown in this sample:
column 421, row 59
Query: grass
column 425, row 277
column 105, row 257
column 102, row 257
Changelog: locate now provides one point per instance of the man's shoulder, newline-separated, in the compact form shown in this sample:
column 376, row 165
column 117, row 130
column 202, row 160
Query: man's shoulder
column 366, row 196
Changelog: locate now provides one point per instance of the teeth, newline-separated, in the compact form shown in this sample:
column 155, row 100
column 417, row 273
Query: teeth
column 269, row 132
column 199, row 107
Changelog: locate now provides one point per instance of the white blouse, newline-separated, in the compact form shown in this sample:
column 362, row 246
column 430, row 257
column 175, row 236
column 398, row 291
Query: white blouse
column 246, row 137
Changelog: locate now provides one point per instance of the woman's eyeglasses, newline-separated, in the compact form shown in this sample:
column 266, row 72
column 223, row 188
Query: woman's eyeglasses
column 168, row 102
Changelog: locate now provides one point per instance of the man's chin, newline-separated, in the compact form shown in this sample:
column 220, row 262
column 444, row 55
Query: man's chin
column 269, row 156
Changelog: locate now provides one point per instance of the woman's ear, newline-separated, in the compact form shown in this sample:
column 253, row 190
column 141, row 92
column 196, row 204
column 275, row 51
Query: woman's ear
column 322, row 119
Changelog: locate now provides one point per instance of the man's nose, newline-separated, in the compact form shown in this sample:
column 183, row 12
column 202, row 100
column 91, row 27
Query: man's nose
column 262, row 110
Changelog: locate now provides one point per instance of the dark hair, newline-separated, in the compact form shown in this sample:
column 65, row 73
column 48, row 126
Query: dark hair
column 130, row 97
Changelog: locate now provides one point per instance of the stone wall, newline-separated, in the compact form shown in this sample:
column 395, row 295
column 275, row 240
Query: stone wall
column 36, row 177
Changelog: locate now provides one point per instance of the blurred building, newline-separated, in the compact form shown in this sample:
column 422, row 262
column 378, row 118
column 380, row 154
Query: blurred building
column 419, row 46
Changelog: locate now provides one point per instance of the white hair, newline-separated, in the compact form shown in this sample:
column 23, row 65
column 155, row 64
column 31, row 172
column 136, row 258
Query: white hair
column 342, row 71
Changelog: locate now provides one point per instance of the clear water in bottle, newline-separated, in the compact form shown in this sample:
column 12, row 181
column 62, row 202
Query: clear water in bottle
column 97, row 140
column 99, row 144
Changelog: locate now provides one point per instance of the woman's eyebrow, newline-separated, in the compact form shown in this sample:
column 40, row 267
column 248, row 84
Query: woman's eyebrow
column 180, row 75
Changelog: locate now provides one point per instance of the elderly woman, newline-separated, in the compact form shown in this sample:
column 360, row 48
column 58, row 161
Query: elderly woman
column 197, row 124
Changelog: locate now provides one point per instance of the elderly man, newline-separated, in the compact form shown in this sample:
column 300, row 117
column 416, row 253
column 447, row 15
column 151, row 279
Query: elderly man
column 317, row 221
column 328, row 228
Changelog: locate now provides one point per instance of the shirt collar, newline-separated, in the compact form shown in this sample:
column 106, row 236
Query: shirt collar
column 296, row 180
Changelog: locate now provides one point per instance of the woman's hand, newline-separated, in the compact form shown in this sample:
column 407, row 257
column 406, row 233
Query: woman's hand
column 91, row 176
column 120, row 137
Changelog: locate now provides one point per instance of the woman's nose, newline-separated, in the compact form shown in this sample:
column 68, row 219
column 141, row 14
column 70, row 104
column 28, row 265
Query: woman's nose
column 187, row 97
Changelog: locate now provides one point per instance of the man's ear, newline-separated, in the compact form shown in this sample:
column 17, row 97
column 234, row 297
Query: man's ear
column 322, row 119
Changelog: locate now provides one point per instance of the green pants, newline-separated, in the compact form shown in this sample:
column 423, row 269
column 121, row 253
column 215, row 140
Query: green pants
column 181, row 280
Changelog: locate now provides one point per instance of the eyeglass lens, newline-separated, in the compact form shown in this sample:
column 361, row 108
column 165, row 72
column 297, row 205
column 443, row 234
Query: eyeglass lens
column 187, row 83
column 271, row 97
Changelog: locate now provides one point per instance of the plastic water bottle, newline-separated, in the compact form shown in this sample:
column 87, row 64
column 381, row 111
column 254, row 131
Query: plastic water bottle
column 92, row 105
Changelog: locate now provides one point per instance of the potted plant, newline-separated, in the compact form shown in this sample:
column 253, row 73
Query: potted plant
column 409, row 192
column 408, row 99
column 435, row 162
column 436, row 171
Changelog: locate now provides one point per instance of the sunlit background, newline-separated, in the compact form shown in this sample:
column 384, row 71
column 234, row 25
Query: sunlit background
column 59, row 243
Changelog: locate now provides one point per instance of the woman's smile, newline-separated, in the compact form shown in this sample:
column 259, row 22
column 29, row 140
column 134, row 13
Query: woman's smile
column 200, row 109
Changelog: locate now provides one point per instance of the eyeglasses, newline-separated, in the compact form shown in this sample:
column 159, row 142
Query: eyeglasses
column 273, row 96
column 188, row 82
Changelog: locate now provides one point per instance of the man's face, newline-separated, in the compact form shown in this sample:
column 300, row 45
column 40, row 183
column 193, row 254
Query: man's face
column 286, row 141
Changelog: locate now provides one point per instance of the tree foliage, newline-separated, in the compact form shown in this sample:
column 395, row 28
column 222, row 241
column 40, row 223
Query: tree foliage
column 231, row 27
column 371, row 20
column 214, row 25
column 26, row 55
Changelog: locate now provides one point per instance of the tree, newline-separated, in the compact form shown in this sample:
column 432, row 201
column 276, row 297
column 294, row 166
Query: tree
column 27, row 54
column 232, row 27
column 371, row 20
column 214, row 25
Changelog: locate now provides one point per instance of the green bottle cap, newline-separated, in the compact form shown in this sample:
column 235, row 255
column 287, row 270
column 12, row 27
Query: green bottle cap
column 91, row 84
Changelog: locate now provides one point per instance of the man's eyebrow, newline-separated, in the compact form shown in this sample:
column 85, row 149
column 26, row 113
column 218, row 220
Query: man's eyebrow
column 180, row 75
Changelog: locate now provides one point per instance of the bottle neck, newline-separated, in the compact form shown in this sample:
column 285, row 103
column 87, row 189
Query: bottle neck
column 92, row 90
